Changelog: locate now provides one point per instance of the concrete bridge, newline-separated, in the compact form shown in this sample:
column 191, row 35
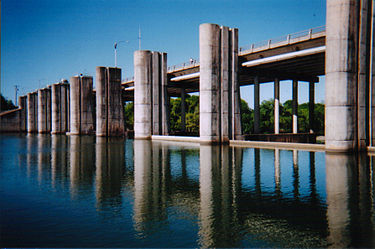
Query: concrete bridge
column 343, row 51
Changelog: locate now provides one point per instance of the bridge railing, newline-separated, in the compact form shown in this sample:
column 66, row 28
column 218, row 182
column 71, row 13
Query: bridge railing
column 184, row 65
column 308, row 34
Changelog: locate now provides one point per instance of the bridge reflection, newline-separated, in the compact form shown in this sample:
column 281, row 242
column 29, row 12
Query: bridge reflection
column 233, row 195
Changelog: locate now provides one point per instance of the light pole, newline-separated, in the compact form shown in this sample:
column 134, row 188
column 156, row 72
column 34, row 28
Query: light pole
column 115, row 46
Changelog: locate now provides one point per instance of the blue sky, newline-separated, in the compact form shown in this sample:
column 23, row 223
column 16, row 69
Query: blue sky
column 43, row 41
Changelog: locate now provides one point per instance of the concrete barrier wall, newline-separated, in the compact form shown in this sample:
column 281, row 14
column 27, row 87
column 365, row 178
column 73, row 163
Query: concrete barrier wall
column 10, row 121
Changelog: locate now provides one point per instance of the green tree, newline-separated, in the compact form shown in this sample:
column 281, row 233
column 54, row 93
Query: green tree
column 247, row 118
column 6, row 104
column 129, row 116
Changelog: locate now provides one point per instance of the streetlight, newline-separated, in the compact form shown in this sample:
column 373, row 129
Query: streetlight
column 115, row 46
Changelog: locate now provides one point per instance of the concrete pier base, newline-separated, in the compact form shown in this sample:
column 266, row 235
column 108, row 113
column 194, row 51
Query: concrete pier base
column 60, row 107
column 219, row 100
column 81, row 106
column 22, row 102
column 109, row 105
column 348, row 38
column 44, row 110
column 151, row 100
column 32, row 112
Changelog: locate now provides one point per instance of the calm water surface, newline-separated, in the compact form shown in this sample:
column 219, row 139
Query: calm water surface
column 59, row 191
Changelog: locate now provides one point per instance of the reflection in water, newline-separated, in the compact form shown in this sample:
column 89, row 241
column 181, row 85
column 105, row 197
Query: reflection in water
column 59, row 158
column 211, row 196
column 349, row 201
column 151, row 166
column 219, row 186
column 110, row 159
column 82, row 164
column 44, row 156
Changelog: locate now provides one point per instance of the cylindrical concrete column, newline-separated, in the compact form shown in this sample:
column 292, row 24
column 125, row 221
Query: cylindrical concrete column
column 116, row 124
column 42, row 111
column 256, row 106
column 295, row 107
column 22, row 102
column 156, row 94
column 142, row 94
column 75, row 103
column 87, row 106
column 165, row 123
column 277, row 106
column 32, row 114
column 209, row 83
column 341, row 75
column 56, row 108
column 101, row 102
column 311, row 106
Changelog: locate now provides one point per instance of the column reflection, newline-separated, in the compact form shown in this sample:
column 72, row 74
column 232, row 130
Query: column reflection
column 151, row 174
column 82, row 164
column 340, row 177
column 44, row 156
column 59, row 158
column 219, row 186
column 110, row 158
column 277, row 173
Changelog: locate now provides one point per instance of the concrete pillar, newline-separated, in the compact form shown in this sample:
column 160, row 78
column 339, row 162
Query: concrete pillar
column 220, row 117
column 236, row 127
column 295, row 107
column 156, row 94
column 209, row 97
column 109, row 105
column 142, row 94
column 60, row 107
column 311, row 106
column 32, row 114
column 372, row 80
column 165, row 124
column 183, row 110
column 44, row 110
column 277, row 106
column 81, row 106
column 151, row 111
column 22, row 101
column 347, row 67
column 256, row 106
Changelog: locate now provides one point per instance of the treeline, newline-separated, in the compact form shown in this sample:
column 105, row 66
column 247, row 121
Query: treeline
column 247, row 116
column 5, row 104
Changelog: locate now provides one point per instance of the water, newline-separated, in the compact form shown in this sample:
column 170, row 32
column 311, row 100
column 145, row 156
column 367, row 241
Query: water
column 59, row 191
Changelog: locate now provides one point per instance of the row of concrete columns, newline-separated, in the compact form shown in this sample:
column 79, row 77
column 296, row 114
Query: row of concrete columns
column 277, row 109
column 151, row 100
column 70, row 108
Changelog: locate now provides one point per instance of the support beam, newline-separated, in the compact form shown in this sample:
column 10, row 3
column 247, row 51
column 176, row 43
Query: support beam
column 311, row 107
column 277, row 106
column 256, row 106
column 295, row 107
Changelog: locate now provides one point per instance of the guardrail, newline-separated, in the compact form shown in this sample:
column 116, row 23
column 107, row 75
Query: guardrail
column 185, row 65
column 267, row 43
column 286, row 38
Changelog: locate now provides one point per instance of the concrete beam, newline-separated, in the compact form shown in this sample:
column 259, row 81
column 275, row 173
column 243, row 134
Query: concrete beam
column 287, row 56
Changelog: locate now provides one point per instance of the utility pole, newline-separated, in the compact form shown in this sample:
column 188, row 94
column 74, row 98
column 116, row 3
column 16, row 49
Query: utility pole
column 139, row 37
column 15, row 93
